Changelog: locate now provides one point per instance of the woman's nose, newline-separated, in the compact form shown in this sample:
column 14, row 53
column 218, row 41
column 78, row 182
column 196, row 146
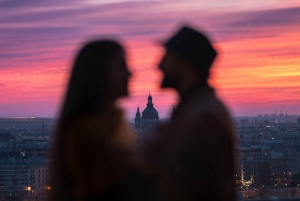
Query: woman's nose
column 129, row 74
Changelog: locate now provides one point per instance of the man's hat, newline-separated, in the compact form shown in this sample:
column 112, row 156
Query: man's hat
column 192, row 46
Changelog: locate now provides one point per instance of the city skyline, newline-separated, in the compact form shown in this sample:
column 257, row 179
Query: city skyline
column 257, row 70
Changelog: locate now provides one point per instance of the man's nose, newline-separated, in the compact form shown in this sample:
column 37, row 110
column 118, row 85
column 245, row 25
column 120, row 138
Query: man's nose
column 160, row 65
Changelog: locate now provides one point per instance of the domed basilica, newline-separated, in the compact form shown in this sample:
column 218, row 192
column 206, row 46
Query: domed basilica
column 145, row 123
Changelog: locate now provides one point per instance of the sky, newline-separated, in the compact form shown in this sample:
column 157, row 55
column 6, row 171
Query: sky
column 257, row 70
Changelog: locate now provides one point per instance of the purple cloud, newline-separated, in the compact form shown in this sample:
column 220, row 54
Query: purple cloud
column 47, row 34
column 266, row 18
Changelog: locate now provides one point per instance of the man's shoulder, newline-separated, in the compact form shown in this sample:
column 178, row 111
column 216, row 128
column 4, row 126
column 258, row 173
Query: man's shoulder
column 205, row 110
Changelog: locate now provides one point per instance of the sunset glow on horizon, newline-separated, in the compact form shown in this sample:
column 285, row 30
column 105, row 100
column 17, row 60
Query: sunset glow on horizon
column 257, row 70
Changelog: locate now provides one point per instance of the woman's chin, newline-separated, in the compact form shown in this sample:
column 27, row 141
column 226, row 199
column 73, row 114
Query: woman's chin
column 123, row 94
column 126, row 93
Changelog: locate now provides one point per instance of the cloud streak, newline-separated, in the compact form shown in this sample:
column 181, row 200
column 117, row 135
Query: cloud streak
column 259, row 49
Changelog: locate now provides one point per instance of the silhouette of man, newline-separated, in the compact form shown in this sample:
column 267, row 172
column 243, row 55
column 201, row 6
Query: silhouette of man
column 191, row 157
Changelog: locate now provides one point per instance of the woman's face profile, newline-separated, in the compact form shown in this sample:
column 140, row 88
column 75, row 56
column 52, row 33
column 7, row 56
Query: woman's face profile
column 118, row 75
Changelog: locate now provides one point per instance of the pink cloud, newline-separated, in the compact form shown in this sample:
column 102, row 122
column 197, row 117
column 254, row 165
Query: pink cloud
column 259, row 50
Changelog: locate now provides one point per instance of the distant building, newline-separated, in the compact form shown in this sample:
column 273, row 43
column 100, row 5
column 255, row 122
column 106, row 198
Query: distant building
column 244, row 122
column 266, row 123
column 298, row 122
column 26, row 145
column 6, row 136
column 7, row 141
column 281, row 115
column 24, row 179
column 145, row 122
column 43, row 126
column 248, row 161
column 13, row 176
column 38, row 178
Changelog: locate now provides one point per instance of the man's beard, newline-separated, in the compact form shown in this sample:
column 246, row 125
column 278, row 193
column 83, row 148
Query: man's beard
column 170, row 81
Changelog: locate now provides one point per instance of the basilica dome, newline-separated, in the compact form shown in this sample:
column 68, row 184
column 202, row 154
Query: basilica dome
column 150, row 112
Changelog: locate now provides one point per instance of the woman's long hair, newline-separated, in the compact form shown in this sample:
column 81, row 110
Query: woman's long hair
column 87, row 91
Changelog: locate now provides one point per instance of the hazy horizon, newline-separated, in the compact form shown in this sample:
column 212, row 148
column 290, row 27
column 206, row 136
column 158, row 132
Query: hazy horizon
column 166, row 117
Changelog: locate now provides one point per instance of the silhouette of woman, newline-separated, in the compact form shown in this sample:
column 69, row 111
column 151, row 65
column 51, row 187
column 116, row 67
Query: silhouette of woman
column 92, row 151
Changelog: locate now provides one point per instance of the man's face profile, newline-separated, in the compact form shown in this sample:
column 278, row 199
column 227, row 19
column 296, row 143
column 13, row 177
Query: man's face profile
column 169, row 66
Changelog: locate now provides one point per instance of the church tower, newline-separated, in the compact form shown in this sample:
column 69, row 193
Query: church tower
column 137, row 119
column 150, row 113
column 145, row 122
column 43, row 126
